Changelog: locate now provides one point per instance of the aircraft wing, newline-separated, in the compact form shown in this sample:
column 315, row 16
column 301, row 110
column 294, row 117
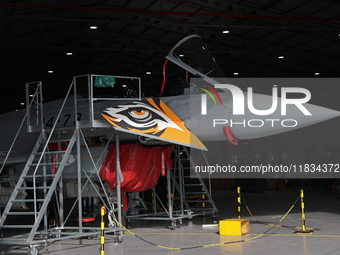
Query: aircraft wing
column 151, row 118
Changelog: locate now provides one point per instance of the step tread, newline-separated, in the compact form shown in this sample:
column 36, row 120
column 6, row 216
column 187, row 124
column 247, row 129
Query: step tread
column 45, row 164
column 27, row 200
column 20, row 213
column 197, row 201
column 32, row 188
column 39, row 176
column 60, row 141
column 48, row 152
column 16, row 226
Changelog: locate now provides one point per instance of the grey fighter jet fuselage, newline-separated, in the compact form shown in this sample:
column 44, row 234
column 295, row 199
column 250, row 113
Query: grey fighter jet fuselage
column 207, row 109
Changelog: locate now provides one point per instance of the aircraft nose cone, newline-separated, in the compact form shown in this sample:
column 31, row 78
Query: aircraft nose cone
column 252, row 126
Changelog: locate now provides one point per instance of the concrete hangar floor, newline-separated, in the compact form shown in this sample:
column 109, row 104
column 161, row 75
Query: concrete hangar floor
column 268, row 235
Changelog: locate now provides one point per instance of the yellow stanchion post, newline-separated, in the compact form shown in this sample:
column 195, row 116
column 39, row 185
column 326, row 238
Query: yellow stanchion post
column 303, row 216
column 303, row 212
column 102, row 230
column 153, row 200
column 203, row 204
column 235, row 227
column 239, row 202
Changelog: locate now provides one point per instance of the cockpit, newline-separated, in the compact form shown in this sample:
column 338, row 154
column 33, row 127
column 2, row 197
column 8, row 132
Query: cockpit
column 192, row 55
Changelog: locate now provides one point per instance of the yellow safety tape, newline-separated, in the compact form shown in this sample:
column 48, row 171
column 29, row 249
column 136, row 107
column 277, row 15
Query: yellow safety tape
column 221, row 243
column 211, row 234
column 276, row 225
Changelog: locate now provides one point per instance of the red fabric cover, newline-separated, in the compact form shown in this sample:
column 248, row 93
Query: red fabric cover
column 89, row 219
column 141, row 166
column 54, row 146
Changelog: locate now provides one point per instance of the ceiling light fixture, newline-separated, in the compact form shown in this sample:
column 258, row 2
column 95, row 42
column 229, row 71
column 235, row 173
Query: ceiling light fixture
column 281, row 57
column 148, row 72
column 181, row 56
column 235, row 73
column 317, row 74
column 93, row 27
column 69, row 53
column 22, row 103
column 50, row 71
column 225, row 31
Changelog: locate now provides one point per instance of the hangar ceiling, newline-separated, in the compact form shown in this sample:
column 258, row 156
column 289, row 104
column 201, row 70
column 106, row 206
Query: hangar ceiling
column 266, row 38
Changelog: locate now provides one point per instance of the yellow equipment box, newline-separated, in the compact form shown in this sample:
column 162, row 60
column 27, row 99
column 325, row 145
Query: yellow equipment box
column 234, row 227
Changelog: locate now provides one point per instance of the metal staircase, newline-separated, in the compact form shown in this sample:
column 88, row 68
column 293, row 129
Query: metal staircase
column 193, row 191
column 38, row 172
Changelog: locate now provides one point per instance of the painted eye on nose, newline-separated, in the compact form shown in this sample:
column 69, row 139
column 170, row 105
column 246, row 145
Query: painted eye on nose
column 140, row 114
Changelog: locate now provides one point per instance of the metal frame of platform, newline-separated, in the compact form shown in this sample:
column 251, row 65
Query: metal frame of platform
column 40, row 162
column 187, row 188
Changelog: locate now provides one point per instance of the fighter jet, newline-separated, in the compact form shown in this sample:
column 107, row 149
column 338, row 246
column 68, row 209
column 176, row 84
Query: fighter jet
column 215, row 108
column 211, row 108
